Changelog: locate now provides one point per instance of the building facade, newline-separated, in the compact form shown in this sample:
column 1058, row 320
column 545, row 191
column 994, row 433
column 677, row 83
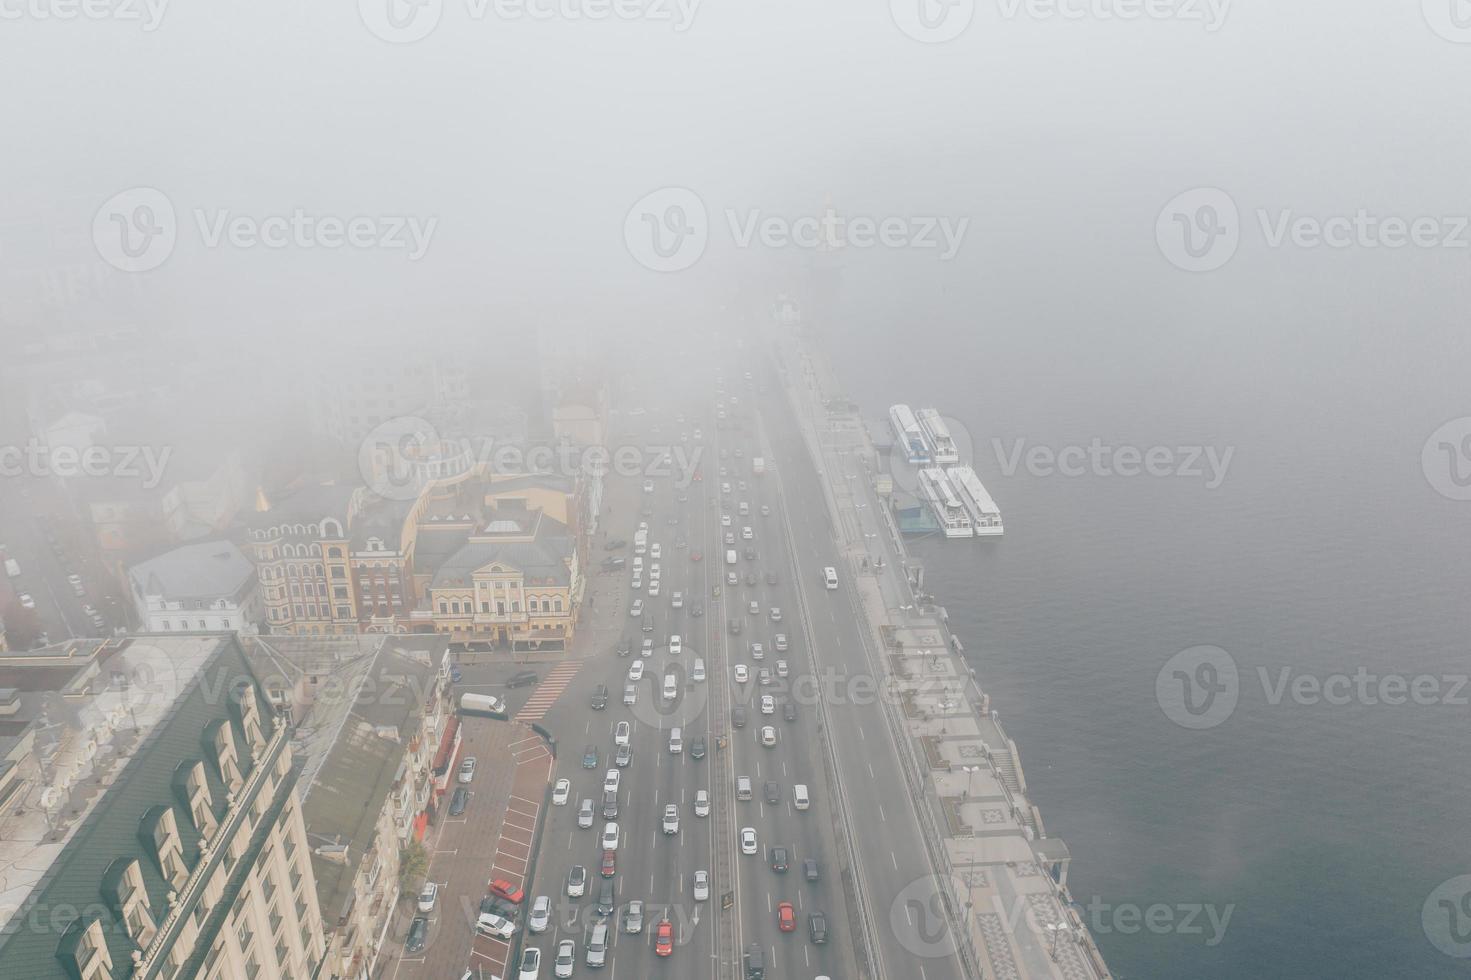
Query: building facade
column 206, row 587
column 299, row 546
column 192, row 860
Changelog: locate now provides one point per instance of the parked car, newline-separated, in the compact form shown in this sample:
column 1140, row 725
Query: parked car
column 501, row 888
column 459, row 801
column 490, row 924
column 467, row 769
column 418, row 935
column 427, row 896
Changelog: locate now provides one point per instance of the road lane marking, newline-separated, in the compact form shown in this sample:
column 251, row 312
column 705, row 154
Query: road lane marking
column 895, row 860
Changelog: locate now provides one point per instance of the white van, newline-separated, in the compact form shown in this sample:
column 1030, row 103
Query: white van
column 800, row 799
column 730, row 556
column 743, row 787
column 676, row 741
column 830, row 577
column 698, row 673
column 597, row 946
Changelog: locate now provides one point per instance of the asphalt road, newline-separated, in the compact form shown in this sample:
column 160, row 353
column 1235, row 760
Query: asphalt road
column 887, row 833
column 652, row 866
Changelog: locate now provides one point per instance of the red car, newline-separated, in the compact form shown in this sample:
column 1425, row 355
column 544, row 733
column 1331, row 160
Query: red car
column 699, row 476
column 664, row 938
column 786, row 917
column 696, row 556
column 501, row 888
column 610, row 863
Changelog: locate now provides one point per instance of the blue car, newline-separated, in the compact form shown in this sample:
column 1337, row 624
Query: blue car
column 455, row 675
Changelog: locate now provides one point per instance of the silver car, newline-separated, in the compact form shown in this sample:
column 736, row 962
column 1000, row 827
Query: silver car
column 702, row 886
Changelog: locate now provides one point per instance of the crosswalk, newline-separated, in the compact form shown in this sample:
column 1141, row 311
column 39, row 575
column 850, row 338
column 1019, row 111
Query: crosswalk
column 548, row 691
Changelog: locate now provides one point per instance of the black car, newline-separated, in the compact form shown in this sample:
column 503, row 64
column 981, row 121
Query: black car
column 738, row 716
column 605, row 898
column 773, row 791
column 418, row 934
column 522, row 678
column 625, row 647
column 809, row 869
column 750, row 578
column 770, row 578
column 735, row 627
column 615, row 544
column 697, row 610
column 613, row 564
column 779, row 859
column 750, row 554
column 789, row 711
column 590, row 757
column 459, row 801
column 817, row 927
column 697, row 747
column 599, row 699
column 496, row 905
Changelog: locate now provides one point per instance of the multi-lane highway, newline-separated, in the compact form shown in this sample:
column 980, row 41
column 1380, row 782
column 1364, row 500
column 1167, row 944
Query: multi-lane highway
column 695, row 521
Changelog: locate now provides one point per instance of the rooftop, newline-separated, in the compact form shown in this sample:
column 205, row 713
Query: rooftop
column 207, row 570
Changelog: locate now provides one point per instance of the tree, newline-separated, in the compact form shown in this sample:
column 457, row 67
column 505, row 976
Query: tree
column 413, row 864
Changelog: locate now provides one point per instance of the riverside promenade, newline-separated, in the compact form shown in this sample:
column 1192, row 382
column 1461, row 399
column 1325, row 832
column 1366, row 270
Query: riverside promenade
column 1000, row 880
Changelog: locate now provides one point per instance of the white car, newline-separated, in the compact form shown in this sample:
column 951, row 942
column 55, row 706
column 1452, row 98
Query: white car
column 490, row 924
column 671, row 687
column 753, row 608
column 746, row 533
column 610, row 836
column 577, row 881
column 566, row 957
column 765, row 677
column 637, row 609
column 768, row 704
column 561, row 791
column 653, row 588
column 636, row 671
column 702, row 886
column 428, row 896
column 676, row 645
column 530, row 964
column 742, row 674
column 611, row 779
column 676, row 600
column 758, row 652
column 748, row 840
column 648, row 486
column 781, row 643
column 26, row 601
column 655, row 551
column 467, row 769
column 541, row 914
column 584, row 815
column 654, row 574
column 702, row 803
column 776, row 614
column 768, row 736
column 731, row 578
column 671, row 818
column 725, row 518
column 781, row 668
column 620, row 737
column 647, row 649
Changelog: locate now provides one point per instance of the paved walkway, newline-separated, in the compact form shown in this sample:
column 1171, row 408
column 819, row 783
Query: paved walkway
column 491, row 839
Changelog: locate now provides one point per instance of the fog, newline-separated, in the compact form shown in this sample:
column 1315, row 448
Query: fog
column 1188, row 221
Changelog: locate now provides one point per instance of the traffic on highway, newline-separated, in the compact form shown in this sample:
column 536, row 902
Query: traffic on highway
column 690, row 827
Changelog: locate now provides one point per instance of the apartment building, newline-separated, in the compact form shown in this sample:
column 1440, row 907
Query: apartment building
column 299, row 544
column 149, row 820
column 205, row 587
